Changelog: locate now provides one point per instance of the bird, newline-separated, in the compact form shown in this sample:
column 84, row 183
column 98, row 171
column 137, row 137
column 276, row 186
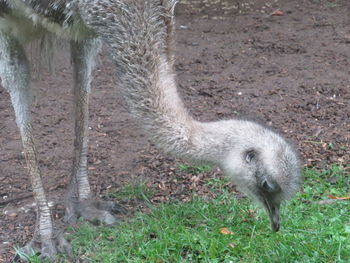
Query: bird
column 262, row 163
column 140, row 36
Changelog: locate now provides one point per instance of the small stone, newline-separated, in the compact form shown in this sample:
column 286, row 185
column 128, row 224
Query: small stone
column 12, row 214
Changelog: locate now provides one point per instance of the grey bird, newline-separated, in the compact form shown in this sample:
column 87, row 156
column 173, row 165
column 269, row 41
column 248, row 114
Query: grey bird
column 140, row 36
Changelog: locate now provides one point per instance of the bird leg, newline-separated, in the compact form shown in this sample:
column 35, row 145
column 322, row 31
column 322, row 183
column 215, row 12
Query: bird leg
column 80, row 201
column 14, row 71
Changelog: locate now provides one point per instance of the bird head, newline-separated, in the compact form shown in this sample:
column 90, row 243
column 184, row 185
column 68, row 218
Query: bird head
column 264, row 166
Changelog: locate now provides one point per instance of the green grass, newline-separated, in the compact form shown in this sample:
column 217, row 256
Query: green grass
column 133, row 191
column 190, row 232
column 194, row 169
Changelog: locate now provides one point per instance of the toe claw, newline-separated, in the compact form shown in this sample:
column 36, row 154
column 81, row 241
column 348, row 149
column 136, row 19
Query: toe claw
column 48, row 249
column 108, row 219
column 64, row 246
column 118, row 209
column 111, row 206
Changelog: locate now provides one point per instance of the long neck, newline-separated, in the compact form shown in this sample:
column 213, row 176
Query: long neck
column 137, row 38
column 136, row 34
column 152, row 98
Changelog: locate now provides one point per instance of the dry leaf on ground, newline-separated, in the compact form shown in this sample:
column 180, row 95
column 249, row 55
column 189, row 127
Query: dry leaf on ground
column 226, row 231
column 339, row 198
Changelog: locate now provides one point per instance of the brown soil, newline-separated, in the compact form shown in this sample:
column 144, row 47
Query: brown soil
column 292, row 71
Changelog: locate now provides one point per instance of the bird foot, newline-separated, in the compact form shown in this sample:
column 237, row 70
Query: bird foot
column 95, row 211
column 45, row 248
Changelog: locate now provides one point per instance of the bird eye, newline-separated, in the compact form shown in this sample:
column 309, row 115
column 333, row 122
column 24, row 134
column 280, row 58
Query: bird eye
column 250, row 156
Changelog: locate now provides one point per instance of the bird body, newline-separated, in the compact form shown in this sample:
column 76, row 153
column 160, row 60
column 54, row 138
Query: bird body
column 139, row 35
column 28, row 20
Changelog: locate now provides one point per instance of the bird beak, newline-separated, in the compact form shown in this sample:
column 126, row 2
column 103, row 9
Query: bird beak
column 274, row 214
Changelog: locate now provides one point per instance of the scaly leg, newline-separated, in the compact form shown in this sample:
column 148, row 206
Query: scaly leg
column 80, row 201
column 14, row 72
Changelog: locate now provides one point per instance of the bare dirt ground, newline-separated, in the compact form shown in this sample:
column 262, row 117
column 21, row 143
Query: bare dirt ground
column 234, row 58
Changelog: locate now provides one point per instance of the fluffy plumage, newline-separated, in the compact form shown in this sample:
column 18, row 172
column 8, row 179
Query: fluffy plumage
column 139, row 33
column 260, row 161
